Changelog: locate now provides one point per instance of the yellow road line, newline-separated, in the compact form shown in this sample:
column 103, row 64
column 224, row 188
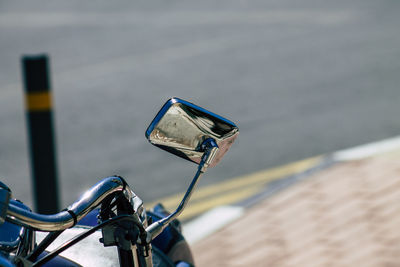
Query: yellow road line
column 234, row 190
column 194, row 209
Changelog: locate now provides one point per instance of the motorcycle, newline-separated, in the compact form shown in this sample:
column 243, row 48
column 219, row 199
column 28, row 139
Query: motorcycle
column 108, row 225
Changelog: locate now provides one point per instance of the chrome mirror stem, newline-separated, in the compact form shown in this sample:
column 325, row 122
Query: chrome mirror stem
column 210, row 148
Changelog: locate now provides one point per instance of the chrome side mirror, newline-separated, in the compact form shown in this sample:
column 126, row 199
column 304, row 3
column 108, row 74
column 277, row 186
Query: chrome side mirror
column 184, row 129
column 192, row 133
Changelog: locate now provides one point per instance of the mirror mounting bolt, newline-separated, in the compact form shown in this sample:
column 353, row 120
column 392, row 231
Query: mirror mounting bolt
column 210, row 148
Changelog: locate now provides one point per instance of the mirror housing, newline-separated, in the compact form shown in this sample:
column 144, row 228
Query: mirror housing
column 182, row 128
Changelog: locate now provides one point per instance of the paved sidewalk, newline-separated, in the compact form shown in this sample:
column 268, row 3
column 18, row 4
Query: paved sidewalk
column 346, row 215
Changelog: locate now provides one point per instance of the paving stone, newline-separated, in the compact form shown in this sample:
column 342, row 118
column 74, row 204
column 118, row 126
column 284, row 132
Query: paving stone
column 347, row 215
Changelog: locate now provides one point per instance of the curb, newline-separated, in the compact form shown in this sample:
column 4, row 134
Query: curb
column 367, row 150
column 219, row 217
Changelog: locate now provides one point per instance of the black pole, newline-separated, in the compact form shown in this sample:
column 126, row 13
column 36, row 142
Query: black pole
column 40, row 131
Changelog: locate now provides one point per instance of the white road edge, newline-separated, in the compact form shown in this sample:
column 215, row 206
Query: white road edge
column 368, row 150
column 210, row 222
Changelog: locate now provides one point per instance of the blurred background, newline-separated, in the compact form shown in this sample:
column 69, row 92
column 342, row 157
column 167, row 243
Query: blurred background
column 299, row 78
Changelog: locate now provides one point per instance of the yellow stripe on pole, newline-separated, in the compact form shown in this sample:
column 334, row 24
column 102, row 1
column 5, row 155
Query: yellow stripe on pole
column 38, row 101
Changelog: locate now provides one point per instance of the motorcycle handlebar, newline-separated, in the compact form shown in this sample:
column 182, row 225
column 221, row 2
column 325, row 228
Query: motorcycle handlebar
column 69, row 217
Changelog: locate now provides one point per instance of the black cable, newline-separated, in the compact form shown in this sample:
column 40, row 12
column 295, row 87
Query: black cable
column 53, row 236
column 43, row 245
column 82, row 236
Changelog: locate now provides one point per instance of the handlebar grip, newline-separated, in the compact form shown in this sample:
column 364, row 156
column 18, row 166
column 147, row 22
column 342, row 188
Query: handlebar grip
column 5, row 195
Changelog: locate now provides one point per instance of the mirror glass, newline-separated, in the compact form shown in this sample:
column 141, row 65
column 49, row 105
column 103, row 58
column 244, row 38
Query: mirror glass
column 181, row 127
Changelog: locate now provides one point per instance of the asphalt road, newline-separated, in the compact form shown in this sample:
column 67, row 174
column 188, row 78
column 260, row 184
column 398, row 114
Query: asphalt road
column 300, row 79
